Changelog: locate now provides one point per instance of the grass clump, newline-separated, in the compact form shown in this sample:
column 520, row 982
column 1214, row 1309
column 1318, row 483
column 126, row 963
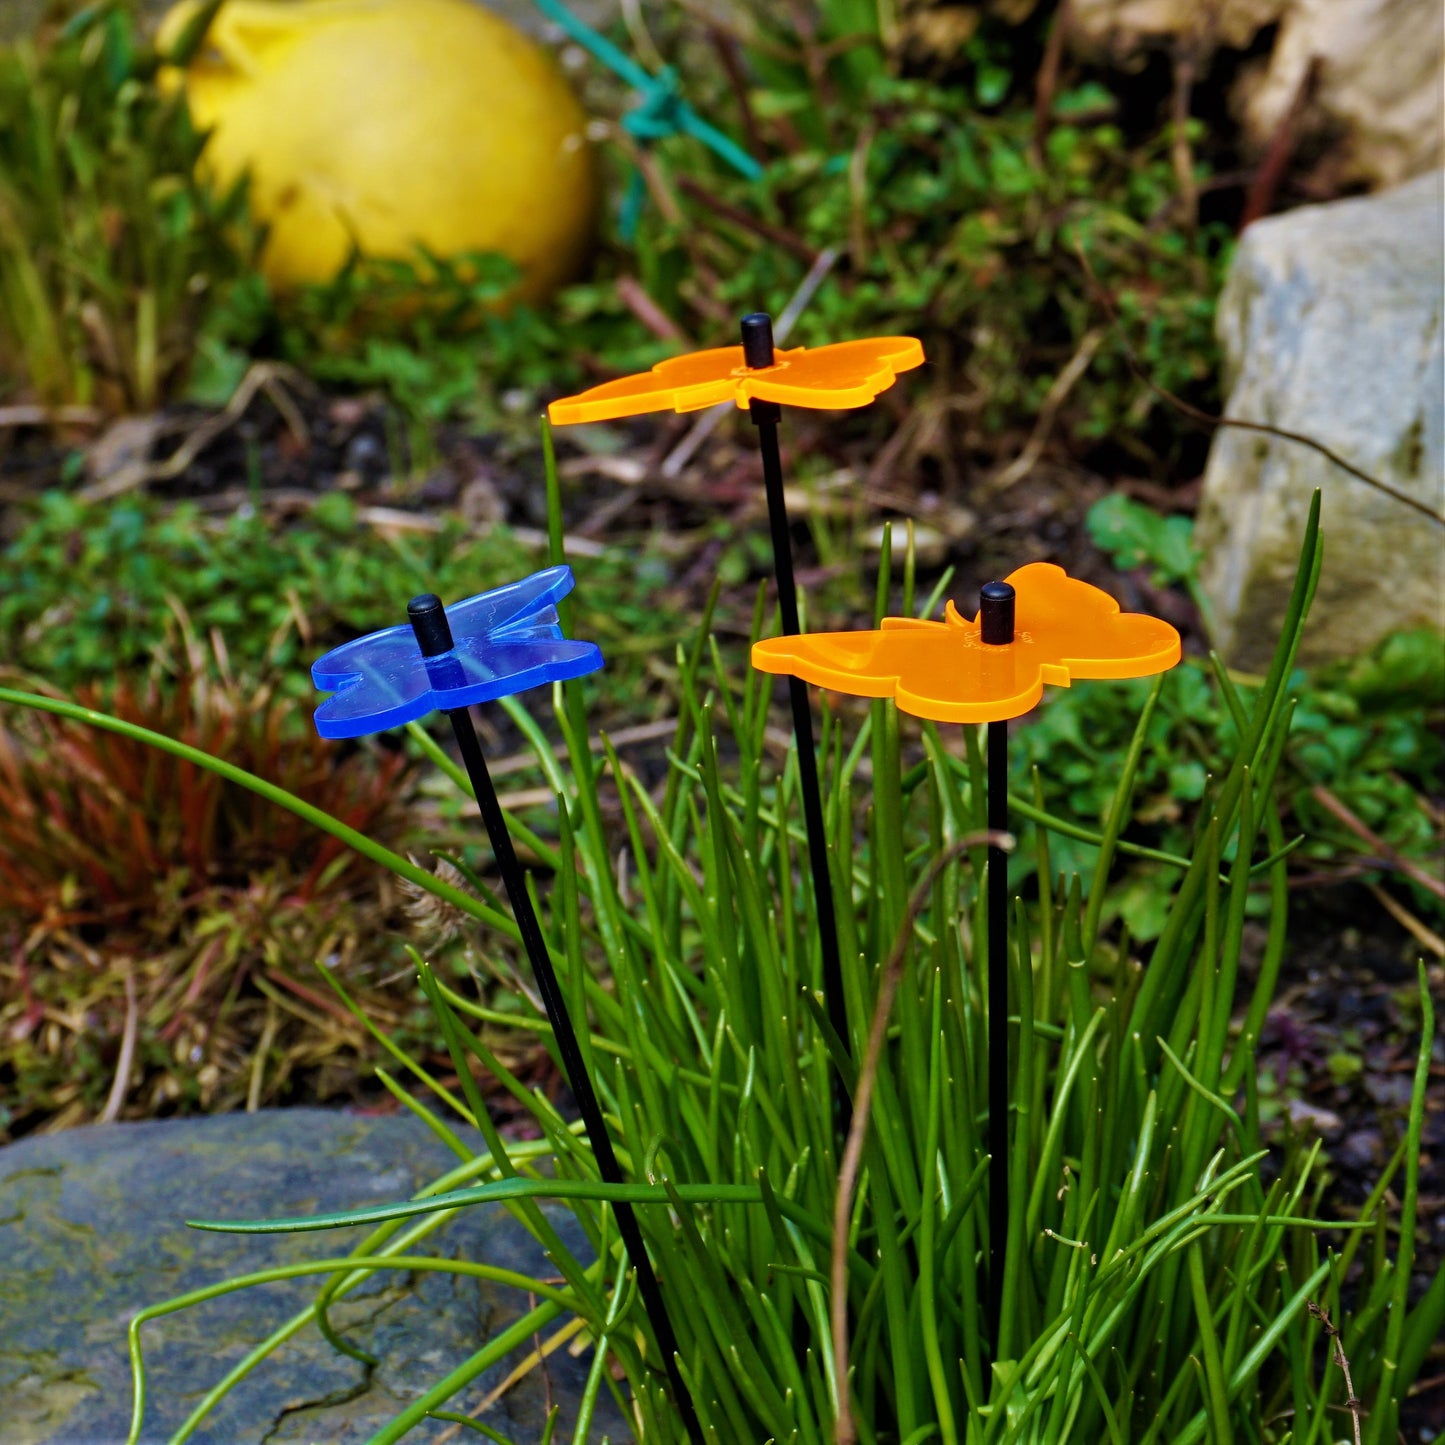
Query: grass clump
column 150, row 902
column 1161, row 1258
column 112, row 253
column 1362, row 770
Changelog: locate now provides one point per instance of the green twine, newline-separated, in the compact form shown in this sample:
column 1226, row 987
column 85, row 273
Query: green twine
column 660, row 111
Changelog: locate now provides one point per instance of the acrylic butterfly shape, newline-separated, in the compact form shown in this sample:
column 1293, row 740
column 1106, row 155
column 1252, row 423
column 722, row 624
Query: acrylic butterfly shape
column 1063, row 629
column 845, row 374
column 506, row 640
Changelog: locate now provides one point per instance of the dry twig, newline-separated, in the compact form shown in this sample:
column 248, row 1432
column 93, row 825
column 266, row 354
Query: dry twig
column 746, row 221
column 1205, row 418
column 1352, row 1402
column 1422, row 934
column 119, row 1087
column 1278, row 153
column 634, row 296
column 1058, row 393
column 255, row 1089
column 263, row 376
column 1181, row 153
column 21, row 416
column 1046, row 83
column 707, row 422
column 1366, row 834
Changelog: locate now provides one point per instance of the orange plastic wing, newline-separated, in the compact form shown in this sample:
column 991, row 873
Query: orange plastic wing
column 1063, row 629
column 827, row 378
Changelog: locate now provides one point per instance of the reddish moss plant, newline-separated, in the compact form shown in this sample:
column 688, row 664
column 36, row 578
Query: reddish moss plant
column 160, row 924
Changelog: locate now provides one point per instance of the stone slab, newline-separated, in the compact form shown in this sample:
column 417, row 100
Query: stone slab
column 92, row 1229
column 1331, row 322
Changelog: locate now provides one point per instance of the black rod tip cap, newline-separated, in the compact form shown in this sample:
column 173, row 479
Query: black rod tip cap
column 428, row 618
column 757, row 329
column 996, row 613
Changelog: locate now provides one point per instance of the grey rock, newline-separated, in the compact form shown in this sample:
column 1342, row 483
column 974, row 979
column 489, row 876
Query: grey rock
column 1331, row 327
column 1306, row 1117
column 92, row 1229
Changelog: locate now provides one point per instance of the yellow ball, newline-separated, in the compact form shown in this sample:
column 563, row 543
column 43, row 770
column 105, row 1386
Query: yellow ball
column 389, row 124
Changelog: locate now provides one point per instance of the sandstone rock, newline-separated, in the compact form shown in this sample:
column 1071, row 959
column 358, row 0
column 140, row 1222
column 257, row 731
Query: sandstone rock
column 1121, row 29
column 1378, row 91
column 91, row 1229
column 1331, row 326
column 1380, row 85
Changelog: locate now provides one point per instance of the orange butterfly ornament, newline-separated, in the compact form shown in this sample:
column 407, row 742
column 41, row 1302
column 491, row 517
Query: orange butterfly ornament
column 760, row 379
column 1064, row 629
column 836, row 377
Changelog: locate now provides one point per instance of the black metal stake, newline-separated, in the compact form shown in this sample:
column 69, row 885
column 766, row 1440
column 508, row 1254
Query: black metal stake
column 757, row 332
column 433, row 634
column 996, row 629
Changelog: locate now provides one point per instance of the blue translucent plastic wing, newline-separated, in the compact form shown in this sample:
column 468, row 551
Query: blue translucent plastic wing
column 506, row 641
column 513, row 604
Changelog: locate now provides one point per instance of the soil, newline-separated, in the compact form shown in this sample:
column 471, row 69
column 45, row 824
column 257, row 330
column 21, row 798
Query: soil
column 1338, row 1054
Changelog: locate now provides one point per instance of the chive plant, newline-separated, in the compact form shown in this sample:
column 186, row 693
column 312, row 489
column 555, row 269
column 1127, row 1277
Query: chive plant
column 1161, row 1258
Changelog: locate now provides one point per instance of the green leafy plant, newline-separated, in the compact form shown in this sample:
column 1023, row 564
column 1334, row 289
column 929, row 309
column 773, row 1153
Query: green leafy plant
column 426, row 332
column 953, row 210
column 947, row 207
column 111, row 251
column 1161, row 1260
column 1383, row 765
column 1364, row 754
column 1137, row 536
column 92, row 588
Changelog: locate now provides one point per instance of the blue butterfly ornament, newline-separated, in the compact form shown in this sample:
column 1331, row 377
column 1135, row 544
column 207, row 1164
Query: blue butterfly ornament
column 504, row 641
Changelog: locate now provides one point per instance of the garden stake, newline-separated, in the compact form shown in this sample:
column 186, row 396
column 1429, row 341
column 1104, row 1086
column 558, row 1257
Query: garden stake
column 758, row 354
column 996, row 629
column 762, row 380
column 1038, row 626
column 512, row 640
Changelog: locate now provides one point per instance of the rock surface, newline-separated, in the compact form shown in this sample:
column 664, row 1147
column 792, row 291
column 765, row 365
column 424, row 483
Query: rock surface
column 1121, row 29
column 1379, row 85
column 91, row 1229
column 1331, row 326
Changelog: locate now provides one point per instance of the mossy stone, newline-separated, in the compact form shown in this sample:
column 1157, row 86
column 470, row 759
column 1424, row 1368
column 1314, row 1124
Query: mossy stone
column 92, row 1229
